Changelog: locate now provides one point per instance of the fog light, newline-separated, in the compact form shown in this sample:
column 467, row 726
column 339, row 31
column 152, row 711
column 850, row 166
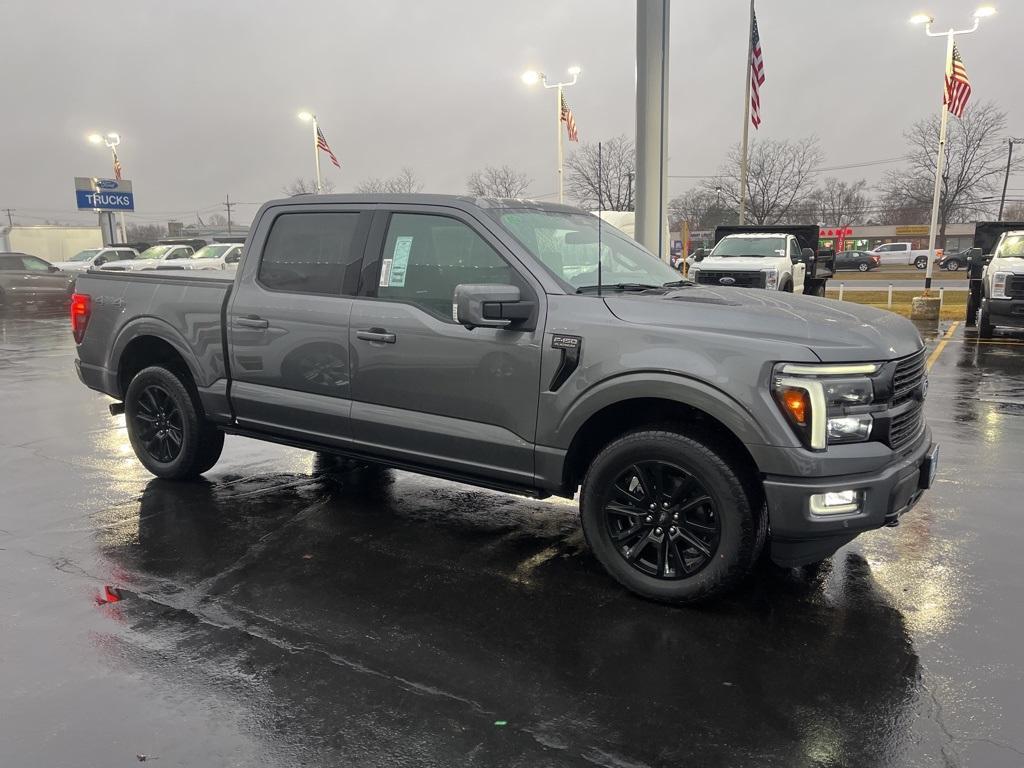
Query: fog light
column 835, row 502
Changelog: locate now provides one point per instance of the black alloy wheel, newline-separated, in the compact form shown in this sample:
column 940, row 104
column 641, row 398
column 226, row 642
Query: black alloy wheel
column 662, row 520
column 863, row 266
column 952, row 266
column 159, row 424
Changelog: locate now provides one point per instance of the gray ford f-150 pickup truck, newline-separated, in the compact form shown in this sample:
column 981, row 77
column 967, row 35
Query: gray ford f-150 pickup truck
column 483, row 341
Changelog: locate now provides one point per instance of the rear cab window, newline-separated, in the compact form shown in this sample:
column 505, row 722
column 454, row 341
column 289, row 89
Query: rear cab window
column 316, row 253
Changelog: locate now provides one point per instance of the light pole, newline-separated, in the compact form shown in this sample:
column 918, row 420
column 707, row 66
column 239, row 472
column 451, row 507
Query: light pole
column 309, row 117
column 1006, row 178
column 112, row 140
column 949, row 34
column 532, row 77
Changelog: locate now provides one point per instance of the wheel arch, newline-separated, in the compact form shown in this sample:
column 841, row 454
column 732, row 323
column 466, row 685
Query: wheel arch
column 650, row 399
column 150, row 341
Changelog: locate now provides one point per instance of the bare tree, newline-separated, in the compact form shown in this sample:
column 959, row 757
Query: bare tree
column 701, row 209
column 841, row 203
column 614, row 188
column 145, row 233
column 405, row 182
column 307, row 187
column 780, row 179
column 974, row 164
column 894, row 207
column 1014, row 211
column 216, row 220
column 492, row 181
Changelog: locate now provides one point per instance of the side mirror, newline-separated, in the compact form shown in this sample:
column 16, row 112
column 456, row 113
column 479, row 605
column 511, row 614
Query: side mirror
column 100, row 260
column 699, row 256
column 490, row 306
column 52, row 268
column 807, row 255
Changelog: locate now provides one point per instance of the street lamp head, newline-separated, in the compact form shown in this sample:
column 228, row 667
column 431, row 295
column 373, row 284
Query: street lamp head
column 574, row 71
column 984, row 11
column 95, row 138
column 114, row 138
column 531, row 77
column 921, row 18
column 305, row 116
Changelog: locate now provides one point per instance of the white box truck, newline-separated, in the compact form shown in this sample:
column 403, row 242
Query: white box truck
column 49, row 242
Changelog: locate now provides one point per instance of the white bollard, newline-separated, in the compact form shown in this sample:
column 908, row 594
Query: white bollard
column 941, row 289
column 841, row 286
column 890, row 296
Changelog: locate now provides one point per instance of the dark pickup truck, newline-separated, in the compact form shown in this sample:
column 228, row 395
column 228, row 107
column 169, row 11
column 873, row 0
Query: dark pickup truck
column 478, row 340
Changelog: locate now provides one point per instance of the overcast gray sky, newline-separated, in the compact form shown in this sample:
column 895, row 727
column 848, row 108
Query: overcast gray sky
column 205, row 94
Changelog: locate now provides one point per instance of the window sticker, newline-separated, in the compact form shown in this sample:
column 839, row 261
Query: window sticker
column 385, row 273
column 400, row 261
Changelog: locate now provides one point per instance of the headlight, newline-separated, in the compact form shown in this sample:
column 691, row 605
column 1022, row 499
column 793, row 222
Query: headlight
column 771, row 278
column 999, row 285
column 825, row 404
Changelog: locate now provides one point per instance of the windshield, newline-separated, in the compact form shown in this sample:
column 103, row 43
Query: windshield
column 85, row 255
column 156, row 252
column 212, row 251
column 750, row 246
column 1012, row 247
column 566, row 244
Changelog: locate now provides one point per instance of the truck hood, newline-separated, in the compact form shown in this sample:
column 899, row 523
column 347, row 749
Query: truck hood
column 738, row 263
column 123, row 264
column 72, row 266
column 834, row 331
column 1006, row 264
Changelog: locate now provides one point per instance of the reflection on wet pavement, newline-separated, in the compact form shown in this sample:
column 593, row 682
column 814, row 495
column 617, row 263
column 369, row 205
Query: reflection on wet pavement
column 295, row 609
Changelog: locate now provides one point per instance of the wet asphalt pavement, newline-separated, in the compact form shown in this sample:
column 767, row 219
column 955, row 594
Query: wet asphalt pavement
column 291, row 611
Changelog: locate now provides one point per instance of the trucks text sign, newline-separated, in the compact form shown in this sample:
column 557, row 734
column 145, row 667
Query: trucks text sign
column 104, row 194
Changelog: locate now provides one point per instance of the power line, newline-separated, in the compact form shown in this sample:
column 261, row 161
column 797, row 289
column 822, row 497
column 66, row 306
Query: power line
column 823, row 169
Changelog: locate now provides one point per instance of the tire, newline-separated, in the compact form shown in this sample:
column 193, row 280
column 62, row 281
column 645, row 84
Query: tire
column 625, row 476
column 952, row 266
column 985, row 327
column 863, row 267
column 182, row 444
column 921, row 262
column 787, row 287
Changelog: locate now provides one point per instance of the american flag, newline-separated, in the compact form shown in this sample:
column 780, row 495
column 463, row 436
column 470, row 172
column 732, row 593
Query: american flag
column 569, row 120
column 117, row 166
column 321, row 143
column 756, row 74
column 958, row 87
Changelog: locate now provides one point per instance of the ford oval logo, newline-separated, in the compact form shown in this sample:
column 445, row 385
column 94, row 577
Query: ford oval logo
column 106, row 184
column 727, row 281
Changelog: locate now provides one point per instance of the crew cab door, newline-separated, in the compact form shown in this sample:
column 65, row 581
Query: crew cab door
column 799, row 268
column 42, row 280
column 287, row 322
column 426, row 390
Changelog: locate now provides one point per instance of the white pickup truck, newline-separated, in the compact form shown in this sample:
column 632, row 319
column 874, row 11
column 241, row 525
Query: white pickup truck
column 1003, row 284
column 773, row 258
column 901, row 253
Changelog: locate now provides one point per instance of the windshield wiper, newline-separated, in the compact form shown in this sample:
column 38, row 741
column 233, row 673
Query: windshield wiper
column 618, row 287
column 677, row 283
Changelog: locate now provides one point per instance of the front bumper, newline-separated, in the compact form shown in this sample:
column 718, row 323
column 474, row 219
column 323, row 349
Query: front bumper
column 1006, row 312
column 800, row 537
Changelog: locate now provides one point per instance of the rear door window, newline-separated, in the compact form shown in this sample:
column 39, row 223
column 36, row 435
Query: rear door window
column 312, row 253
column 35, row 264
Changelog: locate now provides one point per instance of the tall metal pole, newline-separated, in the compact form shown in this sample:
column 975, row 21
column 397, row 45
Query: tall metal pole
column 652, row 48
column 1006, row 179
column 558, row 132
column 746, row 120
column 316, row 153
column 940, row 161
column 120, row 214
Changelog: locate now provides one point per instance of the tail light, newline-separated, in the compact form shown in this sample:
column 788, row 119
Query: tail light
column 81, row 309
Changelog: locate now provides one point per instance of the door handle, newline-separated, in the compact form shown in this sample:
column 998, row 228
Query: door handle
column 251, row 321
column 376, row 334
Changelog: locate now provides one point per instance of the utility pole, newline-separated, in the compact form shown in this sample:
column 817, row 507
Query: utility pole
column 1006, row 178
column 229, row 205
column 629, row 190
column 10, row 220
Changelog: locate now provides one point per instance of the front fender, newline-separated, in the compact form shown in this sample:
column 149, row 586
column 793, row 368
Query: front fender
column 664, row 386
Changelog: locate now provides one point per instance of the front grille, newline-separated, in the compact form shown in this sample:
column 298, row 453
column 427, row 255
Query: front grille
column 1015, row 287
column 906, row 426
column 908, row 376
column 743, row 279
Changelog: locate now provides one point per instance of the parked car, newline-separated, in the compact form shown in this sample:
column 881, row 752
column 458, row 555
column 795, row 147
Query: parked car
column 1002, row 304
column 953, row 262
column 96, row 257
column 217, row 256
column 780, row 258
column 155, row 257
column 26, row 278
column 478, row 340
column 862, row 261
column 901, row 253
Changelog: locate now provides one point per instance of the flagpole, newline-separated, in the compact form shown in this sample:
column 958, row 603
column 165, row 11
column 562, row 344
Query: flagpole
column 746, row 119
column 120, row 214
column 316, row 153
column 940, row 161
column 558, row 130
